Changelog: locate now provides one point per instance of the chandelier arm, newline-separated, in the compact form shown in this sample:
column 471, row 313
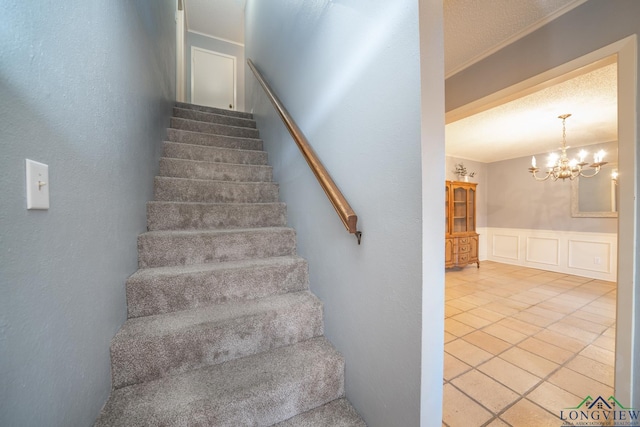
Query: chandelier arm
column 575, row 173
column 536, row 177
column 596, row 170
column 561, row 167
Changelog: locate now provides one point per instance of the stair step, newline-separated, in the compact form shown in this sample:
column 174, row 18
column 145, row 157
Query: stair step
column 152, row 291
column 213, row 128
column 197, row 169
column 223, row 119
column 151, row 347
column 222, row 328
column 207, row 191
column 207, row 139
column 178, row 150
column 338, row 413
column 232, row 113
column 198, row 216
column 262, row 389
column 167, row 248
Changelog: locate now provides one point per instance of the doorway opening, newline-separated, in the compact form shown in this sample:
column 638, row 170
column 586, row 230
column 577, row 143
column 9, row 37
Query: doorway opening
column 624, row 53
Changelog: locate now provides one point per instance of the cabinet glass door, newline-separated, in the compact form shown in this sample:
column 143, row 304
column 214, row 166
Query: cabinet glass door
column 471, row 225
column 460, row 210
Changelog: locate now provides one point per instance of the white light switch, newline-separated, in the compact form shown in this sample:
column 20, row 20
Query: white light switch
column 37, row 185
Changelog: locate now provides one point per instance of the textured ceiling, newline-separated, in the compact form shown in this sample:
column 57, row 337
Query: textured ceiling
column 529, row 125
column 473, row 29
column 222, row 19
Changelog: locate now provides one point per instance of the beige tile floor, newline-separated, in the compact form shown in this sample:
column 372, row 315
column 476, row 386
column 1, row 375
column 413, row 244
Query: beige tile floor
column 522, row 344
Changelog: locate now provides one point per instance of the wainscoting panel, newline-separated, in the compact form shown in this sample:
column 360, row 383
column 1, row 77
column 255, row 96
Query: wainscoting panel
column 592, row 255
column 505, row 246
column 543, row 250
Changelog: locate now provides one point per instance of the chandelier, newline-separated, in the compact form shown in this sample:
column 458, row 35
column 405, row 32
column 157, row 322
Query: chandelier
column 561, row 167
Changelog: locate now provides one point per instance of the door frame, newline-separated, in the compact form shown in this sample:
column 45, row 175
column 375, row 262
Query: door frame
column 235, row 71
column 180, row 84
column 626, row 51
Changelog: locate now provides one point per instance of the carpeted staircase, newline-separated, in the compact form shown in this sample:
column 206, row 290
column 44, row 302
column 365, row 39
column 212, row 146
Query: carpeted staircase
column 222, row 328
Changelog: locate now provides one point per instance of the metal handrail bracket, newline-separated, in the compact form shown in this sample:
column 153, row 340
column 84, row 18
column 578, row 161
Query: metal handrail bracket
column 337, row 199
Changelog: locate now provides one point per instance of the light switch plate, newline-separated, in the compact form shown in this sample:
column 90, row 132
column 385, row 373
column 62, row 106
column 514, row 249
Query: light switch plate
column 37, row 185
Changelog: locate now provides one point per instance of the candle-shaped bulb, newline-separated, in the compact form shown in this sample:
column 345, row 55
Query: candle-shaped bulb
column 533, row 161
column 582, row 154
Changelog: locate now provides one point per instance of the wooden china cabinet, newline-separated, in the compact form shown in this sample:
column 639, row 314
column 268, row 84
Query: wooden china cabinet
column 460, row 239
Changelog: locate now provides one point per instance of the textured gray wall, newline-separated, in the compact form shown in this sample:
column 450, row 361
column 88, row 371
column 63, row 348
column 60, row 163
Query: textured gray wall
column 209, row 43
column 85, row 87
column 516, row 200
column 349, row 74
column 583, row 30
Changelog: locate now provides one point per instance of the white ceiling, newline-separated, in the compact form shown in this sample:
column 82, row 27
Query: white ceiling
column 529, row 125
column 474, row 29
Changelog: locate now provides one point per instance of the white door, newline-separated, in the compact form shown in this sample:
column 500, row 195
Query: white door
column 213, row 79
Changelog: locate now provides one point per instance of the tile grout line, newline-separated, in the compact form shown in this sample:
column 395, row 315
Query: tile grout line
column 525, row 394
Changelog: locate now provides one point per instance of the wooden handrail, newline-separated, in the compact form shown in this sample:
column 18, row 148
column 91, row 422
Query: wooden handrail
column 337, row 199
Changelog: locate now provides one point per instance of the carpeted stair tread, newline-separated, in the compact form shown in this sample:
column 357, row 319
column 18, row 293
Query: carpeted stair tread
column 258, row 390
column 213, row 128
column 214, row 110
column 184, row 247
column 170, row 189
column 197, row 216
column 159, row 290
column 222, row 329
column 150, row 347
column 212, row 140
column 179, row 150
column 338, row 413
column 198, row 169
column 203, row 116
